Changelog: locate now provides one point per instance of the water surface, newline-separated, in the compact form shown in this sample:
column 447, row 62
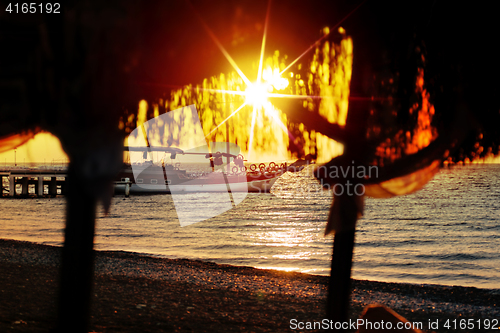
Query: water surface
column 448, row 233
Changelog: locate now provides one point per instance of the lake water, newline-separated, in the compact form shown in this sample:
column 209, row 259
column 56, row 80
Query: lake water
column 448, row 233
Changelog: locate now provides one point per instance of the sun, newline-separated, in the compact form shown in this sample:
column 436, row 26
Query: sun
column 257, row 93
column 268, row 82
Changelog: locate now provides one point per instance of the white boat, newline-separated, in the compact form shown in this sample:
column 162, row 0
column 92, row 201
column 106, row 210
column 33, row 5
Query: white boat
column 169, row 178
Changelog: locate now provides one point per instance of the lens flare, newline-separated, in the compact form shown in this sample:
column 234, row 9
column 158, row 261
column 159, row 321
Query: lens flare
column 259, row 127
column 257, row 94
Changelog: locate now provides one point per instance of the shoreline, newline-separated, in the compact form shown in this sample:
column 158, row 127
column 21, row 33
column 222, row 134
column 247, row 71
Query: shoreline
column 285, row 269
column 145, row 292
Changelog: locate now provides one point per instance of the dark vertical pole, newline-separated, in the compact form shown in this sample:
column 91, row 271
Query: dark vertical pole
column 77, row 258
column 339, row 289
column 53, row 186
column 355, row 149
column 344, row 213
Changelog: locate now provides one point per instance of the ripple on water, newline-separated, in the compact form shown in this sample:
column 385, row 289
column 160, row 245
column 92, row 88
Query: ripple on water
column 446, row 233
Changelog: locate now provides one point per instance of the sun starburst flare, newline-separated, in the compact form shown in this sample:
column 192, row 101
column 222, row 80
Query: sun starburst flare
column 257, row 93
column 320, row 84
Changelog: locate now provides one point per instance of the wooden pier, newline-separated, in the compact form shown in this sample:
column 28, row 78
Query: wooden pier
column 30, row 182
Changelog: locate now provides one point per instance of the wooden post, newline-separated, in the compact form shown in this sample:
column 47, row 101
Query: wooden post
column 39, row 191
column 53, row 186
column 12, row 185
column 344, row 213
column 2, row 185
column 127, row 186
column 77, row 268
column 339, row 290
column 24, row 186
column 64, row 186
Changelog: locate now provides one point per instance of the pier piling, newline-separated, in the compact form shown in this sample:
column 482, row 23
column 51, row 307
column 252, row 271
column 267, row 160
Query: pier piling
column 53, row 186
column 127, row 187
column 40, row 182
column 24, row 186
column 4, row 188
column 34, row 178
column 12, row 185
column 39, row 191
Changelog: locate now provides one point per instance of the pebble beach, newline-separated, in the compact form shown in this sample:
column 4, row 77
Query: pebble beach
column 139, row 293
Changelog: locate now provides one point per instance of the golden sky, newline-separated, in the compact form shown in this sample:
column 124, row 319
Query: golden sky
column 43, row 148
column 46, row 148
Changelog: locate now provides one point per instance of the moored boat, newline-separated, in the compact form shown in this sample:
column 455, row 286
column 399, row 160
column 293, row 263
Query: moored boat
column 172, row 179
column 148, row 177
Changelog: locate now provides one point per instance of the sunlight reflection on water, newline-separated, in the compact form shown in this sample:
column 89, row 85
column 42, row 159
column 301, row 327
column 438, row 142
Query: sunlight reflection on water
column 448, row 233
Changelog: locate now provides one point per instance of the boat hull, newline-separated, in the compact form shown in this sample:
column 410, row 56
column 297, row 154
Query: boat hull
column 258, row 185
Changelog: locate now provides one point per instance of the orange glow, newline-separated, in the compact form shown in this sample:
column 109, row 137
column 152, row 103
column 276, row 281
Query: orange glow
column 228, row 99
column 15, row 140
column 329, row 76
column 255, row 124
column 42, row 148
column 423, row 133
column 403, row 185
